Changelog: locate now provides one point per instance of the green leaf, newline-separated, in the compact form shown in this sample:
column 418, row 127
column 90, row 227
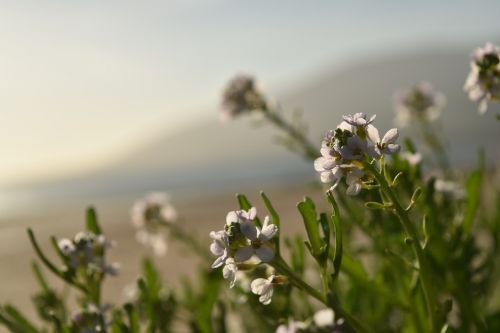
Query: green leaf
column 337, row 230
column 473, row 199
column 92, row 224
column 22, row 322
column 133, row 318
column 308, row 212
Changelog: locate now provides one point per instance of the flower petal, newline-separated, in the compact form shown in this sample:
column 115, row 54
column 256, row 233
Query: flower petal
column 391, row 136
column 258, row 285
column 268, row 230
column 248, row 229
column 232, row 217
column 354, row 189
column 373, row 135
column 243, row 254
column 265, row 253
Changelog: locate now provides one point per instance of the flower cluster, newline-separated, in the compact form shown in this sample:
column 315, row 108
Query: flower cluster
column 90, row 319
column 322, row 321
column 240, row 240
column 345, row 149
column 150, row 216
column 421, row 102
column 86, row 251
column 241, row 95
column 483, row 81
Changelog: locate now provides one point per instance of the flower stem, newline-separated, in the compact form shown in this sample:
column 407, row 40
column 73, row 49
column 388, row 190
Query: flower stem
column 411, row 232
column 308, row 149
column 281, row 266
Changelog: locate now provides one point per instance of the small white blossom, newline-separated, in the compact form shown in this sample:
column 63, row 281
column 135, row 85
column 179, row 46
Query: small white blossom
column 483, row 81
column 66, row 246
column 263, row 288
column 219, row 247
column 354, row 182
column 358, row 119
column 292, row 327
column 449, row 188
column 149, row 215
column 387, row 145
column 411, row 158
column 229, row 271
column 323, row 318
column 258, row 241
column 421, row 102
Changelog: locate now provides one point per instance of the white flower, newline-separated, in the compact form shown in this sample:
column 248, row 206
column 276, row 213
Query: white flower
column 387, row 145
column 358, row 119
column 229, row 271
column 149, row 215
column 483, row 81
column 411, row 158
column 263, row 288
column 324, row 318
column 66, row 246
column 354, row 182
column 219, row 247
column 258, row 239
column 420, row 102
column 292, row 327
column 450, row 188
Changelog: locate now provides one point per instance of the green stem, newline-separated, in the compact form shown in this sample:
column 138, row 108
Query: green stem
column 282, row 267
column 310, row 151
column 426, row 283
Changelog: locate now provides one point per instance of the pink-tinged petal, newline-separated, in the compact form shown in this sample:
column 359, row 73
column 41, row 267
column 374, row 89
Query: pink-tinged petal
column 232, row 217
column 217, row 248
column 327, row 177
column 243, row 254
column 248, row 229
column 392, row 148
column 252, row 213
column 265, row 253
column 373, row 134
column 318, row 164
column 268, row 231
column 219, row 261
column 391, row 136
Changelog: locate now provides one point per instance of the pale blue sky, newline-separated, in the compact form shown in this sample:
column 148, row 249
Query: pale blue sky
column 82, row 83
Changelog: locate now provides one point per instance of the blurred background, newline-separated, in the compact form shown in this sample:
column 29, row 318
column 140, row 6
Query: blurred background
column 103, row 102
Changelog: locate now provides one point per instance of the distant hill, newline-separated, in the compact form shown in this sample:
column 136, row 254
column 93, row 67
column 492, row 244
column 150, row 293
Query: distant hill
column 214, row 154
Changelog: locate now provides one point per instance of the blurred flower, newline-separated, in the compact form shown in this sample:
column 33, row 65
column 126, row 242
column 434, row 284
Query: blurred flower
column 292, row 327
column 411, row 158
column 229, row 271
column 449, row 188
column 421, row 102
column 240, row 96
column 87, row 250
column 325, row 319
column 90, row 319
column 150, row 216
column 263, row 288
column 483, row 81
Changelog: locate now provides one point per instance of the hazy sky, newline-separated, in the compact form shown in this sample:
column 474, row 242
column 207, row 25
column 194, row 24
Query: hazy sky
column 83, row 82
